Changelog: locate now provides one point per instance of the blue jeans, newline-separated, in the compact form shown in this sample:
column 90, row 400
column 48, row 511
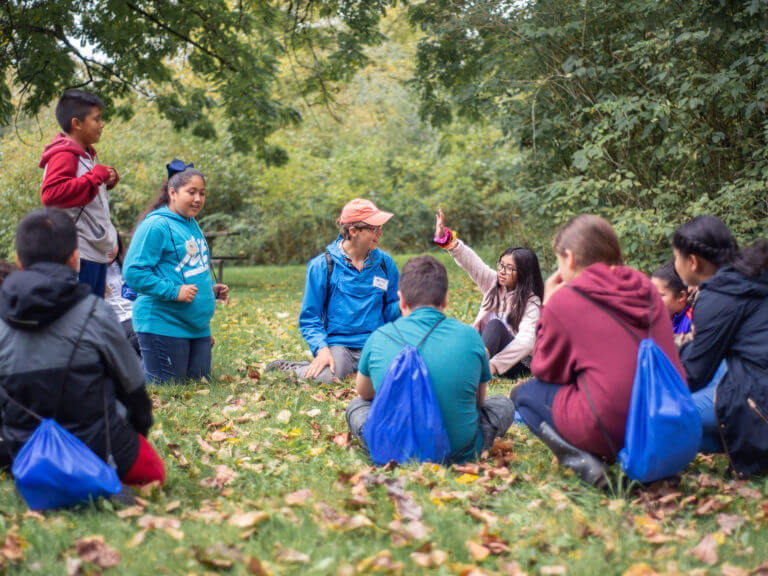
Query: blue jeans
column 95, row 275
column 704, row 400
column 168, row 359
column 534, row 400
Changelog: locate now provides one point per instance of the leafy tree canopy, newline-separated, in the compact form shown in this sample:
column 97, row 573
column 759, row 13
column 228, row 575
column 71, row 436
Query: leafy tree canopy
column 188, row 56
column 647, row 111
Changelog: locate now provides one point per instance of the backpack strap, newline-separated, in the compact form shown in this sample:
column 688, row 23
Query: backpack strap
column 428, row 333
column 384, row 293
column 611, row 314
column 611, row 445
column 328, row 274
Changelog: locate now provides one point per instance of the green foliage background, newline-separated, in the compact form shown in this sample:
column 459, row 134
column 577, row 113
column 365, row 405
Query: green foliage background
column 511, row 116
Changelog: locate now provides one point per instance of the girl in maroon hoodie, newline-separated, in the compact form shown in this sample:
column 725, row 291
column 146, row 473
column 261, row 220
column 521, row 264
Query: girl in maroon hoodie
column 584, row 359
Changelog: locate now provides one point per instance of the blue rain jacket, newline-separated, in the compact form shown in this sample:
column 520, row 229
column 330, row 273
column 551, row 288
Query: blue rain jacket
column 357, row 304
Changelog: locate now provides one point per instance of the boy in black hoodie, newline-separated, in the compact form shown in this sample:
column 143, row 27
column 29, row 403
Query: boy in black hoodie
column 64, row 356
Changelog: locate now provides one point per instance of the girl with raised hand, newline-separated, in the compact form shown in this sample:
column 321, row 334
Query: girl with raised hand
column 727, row 362
column 595, row 312
column 511, row 302
column 168, row 265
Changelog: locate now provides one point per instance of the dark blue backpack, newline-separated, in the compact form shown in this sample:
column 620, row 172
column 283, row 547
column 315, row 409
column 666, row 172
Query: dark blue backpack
column 405, row 422
column 663, row 430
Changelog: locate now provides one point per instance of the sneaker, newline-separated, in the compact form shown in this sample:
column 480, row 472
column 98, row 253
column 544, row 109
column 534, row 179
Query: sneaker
column 282, row 366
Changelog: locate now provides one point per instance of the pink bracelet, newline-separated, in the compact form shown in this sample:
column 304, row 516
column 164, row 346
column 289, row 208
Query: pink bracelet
column 445, row 238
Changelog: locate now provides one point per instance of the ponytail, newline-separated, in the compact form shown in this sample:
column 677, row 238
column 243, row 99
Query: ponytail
column 753, row 260
column 176, row 181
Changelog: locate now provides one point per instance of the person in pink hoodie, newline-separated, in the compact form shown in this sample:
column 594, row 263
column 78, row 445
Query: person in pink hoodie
column 75, row 182
column 584, row 359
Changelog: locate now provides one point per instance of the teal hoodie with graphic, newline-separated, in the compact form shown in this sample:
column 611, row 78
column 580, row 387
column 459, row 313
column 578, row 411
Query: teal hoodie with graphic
column 167, row 251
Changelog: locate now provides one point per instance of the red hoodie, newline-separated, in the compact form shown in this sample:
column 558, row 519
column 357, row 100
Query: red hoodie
column 62, row 187
column 575, row 337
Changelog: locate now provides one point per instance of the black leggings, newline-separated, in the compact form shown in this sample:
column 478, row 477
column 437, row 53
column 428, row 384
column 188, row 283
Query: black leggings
column 534, row 400
column 496, row 337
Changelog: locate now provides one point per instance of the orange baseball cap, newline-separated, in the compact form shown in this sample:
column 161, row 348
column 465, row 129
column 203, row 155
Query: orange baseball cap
column 362, row 210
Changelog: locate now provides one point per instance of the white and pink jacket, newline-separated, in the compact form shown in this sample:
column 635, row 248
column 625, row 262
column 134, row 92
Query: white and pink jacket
column 486, row 279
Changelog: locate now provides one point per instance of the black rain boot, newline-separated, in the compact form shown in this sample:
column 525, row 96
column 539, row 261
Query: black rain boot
column 587, row 466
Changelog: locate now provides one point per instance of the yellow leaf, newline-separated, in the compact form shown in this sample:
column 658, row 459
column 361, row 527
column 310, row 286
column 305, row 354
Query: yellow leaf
column 466, row 478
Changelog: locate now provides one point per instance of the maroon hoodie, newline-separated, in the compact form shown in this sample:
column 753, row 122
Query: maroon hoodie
column 65, row 184
column 575, row 337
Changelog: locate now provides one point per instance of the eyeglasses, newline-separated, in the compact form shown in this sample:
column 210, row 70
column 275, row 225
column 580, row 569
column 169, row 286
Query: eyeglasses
column 508, row 268
column 374, row 228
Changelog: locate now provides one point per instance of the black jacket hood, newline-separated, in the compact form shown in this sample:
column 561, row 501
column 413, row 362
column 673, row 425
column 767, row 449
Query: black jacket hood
column 38, row 295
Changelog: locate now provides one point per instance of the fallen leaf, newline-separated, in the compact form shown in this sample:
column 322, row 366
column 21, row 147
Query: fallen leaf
column 314, row 413
column 171, row 506
column 247, row 519
column 510, row 568
column 640, row 569
column 429, row 559
column 72, row 566
column 552, row 570
column 729, row 522
column 205, row 446
column 466, row 478
column 381, row 562
column 290, row 556
column 176, row 451
column 253, row 374
column 731, row 570
column 12, row 548
column 477, row 551
column 706, row 550
column 218, row 556
column 168, row 524
column 342, row 440
column 284, row 416
column 93, row 549
column 256, row 568
column 298, row 498
column 224, row 476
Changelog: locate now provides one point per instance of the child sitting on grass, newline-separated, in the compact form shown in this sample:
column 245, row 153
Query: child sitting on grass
column 731, row 319
column 675, row 295
column 64, row 356
column 168, row 265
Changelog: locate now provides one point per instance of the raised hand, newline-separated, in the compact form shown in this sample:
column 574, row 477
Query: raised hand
column 439, row 223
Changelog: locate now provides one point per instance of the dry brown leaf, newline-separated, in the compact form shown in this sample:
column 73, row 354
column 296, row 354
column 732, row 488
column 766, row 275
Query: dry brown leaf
column 171, row 506
column 298, row 498
column 381, row 562
column 218, row 556
column 93, row 549
column 640, row 569
column 284, row 416
column 706, row 550
column 72, row 566
column 205, row 446
column 477, row 551
column 729, row 522
column 137, row 539
column 224, row 476
column 255, row 567
column 552, row 570
column 710, row 505
column 482, row 515
column 290, row 556
column 510, row 568
column 247, row 519
column 12, row 548
column 731, row 570
column 761, row 570
column 168, row 524
column 342, row 440
column 176, row 451
column 429, row 559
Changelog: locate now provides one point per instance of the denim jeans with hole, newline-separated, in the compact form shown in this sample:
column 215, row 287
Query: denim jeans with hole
column 168, row 359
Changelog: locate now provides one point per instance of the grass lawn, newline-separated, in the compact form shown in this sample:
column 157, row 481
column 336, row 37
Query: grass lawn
column 261, row 480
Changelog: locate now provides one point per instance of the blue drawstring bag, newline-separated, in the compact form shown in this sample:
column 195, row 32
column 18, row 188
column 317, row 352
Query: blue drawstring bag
column 663, row 430
column 663, row 426
column 54, row 469
column 405, row 422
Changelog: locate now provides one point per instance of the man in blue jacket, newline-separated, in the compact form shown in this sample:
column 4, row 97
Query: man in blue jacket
column 351, row 290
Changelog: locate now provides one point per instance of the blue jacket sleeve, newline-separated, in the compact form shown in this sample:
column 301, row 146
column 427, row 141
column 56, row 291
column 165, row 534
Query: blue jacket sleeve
column 311, row 323
column 392, row 308
column 140, row 267
column 716, row 320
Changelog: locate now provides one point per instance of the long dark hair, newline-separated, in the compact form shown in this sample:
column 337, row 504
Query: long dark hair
column 176, row 181
column 529, row 283
column 709, row 238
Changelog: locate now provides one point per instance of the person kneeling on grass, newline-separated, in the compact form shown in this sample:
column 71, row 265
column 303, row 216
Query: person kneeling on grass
column 455, row 358
column 351, row 289
column 64, row 356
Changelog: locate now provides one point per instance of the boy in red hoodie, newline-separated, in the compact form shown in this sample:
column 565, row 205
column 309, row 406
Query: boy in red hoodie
column 75, row 182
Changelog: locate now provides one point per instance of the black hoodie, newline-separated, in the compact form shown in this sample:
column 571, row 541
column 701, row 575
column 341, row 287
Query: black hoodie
column 731, row 323
column 61, row 351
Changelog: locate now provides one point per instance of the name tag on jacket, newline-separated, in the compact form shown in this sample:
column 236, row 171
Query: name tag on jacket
column 380, row 283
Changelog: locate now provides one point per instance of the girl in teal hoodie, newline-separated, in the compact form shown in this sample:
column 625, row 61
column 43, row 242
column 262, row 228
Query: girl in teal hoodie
column 168, row 265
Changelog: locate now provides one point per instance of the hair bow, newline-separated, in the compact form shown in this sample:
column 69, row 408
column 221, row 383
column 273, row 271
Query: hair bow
column 177, row 166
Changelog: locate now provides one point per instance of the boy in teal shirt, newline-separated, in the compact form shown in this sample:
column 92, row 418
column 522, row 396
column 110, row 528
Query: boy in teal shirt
column 455, row 358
